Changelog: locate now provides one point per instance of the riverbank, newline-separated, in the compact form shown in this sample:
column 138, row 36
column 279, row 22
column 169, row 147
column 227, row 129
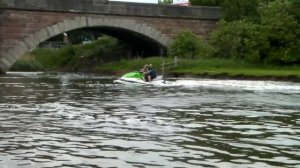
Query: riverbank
column 205, row 68
column 224, row 75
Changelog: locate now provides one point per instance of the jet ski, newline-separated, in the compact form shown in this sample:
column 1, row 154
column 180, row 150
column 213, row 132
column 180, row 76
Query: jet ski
column 138, row 78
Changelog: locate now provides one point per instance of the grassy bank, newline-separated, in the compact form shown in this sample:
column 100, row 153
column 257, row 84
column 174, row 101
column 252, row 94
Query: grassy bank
column 203, row 67
column 234, row 68
column 100, row 57
column 207, row 67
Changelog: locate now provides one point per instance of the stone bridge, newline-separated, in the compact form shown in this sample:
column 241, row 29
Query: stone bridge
column 24, row 24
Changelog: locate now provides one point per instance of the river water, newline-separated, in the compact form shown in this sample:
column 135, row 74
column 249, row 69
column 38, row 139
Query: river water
column 84, row 120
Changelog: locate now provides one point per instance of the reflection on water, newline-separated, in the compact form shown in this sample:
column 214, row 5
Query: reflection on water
column 82, row 120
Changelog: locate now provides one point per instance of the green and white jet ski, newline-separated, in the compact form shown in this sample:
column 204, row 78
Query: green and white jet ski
column 137, row 77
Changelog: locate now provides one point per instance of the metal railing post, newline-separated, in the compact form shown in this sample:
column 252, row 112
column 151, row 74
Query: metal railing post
column 168, row 65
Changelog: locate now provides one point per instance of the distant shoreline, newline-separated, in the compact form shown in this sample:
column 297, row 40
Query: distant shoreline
column 222, row 76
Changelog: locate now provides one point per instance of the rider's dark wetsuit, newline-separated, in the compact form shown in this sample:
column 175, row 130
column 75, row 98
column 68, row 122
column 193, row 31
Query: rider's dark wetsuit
column 152, row 73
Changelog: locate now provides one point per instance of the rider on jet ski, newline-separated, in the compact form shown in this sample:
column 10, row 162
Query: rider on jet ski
column 149, row 72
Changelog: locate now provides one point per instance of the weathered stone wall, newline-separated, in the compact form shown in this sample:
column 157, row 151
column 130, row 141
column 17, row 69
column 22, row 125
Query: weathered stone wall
column 26, row 23
column 18, row 24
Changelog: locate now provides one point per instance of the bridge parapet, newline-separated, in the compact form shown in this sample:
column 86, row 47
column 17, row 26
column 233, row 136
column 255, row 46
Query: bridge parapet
column 115, row 8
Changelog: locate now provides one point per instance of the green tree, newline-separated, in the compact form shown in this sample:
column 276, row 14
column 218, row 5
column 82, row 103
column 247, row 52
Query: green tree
column 165, row 2
column 239, row 40
column 240, row 9
column 295, row 9
column 272, row 37
column 282, row 31
column 188, row 45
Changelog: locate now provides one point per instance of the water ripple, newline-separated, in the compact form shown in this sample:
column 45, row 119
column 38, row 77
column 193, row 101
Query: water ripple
column 83, row 120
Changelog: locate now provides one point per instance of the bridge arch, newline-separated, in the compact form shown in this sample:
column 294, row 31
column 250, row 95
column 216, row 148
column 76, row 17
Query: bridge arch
column 31, row 41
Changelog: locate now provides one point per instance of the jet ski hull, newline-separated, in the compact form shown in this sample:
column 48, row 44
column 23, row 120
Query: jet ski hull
column 126, row 80
column 137, row 78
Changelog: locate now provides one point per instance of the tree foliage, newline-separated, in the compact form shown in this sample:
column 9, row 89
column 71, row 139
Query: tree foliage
column 260, row 31
column 295, row 9
column 269, row 32
column 240, row 9
column 189, row 45
column 282, row 31
column 239, row 39
column 165, row 2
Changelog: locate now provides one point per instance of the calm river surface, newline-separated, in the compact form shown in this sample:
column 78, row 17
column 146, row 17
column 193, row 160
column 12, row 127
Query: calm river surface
column 83, row 120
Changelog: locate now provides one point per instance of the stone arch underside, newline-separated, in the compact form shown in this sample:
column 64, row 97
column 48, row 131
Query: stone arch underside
column 33, row 40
